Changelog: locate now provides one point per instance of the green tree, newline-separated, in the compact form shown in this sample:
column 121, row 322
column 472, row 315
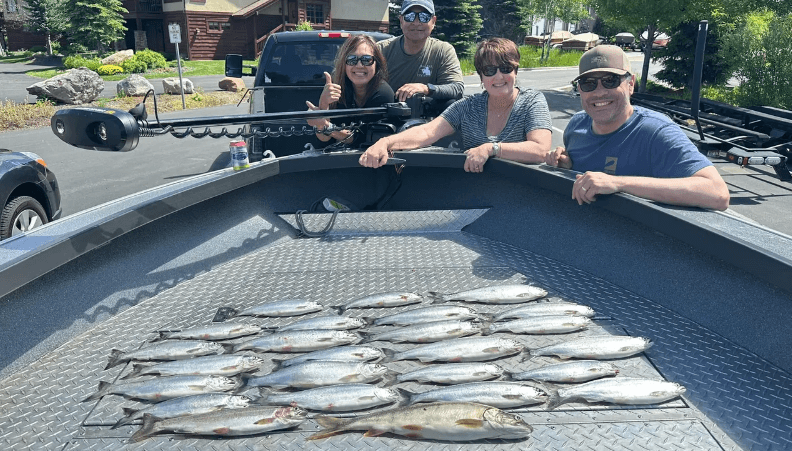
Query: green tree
column 679, row 57
column 759, row 52
column 46, row 17
column 458, row 23
column 569, row 11
column 96, row 23
column 502, row 19
column 394, row 26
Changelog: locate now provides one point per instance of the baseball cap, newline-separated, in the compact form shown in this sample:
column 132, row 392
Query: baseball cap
column 425, row 4
column 604, row 58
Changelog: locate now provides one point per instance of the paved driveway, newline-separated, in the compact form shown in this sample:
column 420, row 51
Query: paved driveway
column 14, row 82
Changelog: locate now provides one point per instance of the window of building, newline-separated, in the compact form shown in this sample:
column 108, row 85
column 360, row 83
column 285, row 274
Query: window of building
column 314, row 13
column 225, row 25
column 214, row 25
column 12, row 6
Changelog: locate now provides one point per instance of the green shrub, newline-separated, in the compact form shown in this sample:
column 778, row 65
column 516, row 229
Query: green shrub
column 73, row 62
column 303, row 26
column 152, row 59
column 109, row 69
column 134, row 65
column 93, row 64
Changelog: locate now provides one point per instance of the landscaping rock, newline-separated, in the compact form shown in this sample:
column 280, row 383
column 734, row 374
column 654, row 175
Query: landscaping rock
column 171, row 85
column 134, row 85
column 119, row 57
column 76, row 86
column 232, row 84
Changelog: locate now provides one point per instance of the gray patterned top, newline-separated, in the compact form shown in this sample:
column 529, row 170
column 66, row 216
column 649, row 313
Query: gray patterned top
column 469, row 117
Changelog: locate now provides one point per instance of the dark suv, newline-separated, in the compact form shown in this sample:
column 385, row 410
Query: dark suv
column 291, row 71
column 29, row 194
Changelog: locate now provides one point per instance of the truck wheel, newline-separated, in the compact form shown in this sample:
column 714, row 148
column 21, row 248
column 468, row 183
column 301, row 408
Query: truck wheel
column 21, row 214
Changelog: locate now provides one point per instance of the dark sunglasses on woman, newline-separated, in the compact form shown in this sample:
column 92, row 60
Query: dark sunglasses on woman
column 366, row 60
column 505, row 69
column 612, row 81
column 424, row 17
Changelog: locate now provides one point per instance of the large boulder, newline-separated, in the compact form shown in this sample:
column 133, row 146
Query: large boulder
column 119, row 57
column 134, row 85
column 76, row 86
column 232, row 84
column 171, row 85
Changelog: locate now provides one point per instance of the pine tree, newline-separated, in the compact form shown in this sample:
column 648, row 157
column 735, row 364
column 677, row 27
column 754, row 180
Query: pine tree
column 96, row 23
column 459, row 23
column 501, row 19
column 45, row 17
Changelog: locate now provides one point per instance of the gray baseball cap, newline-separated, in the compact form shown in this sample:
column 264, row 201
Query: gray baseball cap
column 604, row 58
column 425, row 4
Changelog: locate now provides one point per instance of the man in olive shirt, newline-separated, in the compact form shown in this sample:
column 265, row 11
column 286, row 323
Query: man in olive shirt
column 418, row 63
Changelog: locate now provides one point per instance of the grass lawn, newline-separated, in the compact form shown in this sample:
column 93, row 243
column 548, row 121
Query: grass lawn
column 189, row 68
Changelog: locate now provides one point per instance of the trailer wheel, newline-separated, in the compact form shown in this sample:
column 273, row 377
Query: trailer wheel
column 21, row 214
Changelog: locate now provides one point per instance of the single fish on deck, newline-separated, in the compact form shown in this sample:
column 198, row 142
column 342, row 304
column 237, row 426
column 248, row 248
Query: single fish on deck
column 299, row 341
column 569, row 372
column 545, row 309
column 335, row 398
column 427, row 315
column 219, row 365
column 541, row 325
column 618, row 390
column 471, row 349
column 599, row 347
column 382, row 300
column 339, row 354
column 318, row 374
column 163, row 388
column 295, row 307
column 502, row 395
column 427, row 332
column 456, row 421
column 498, row 294
column 186, row 405
column 453, row 373
column 219, row 331
column 167, row 350
column 225, row 423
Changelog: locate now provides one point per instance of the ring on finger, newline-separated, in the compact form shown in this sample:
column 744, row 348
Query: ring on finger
column 583, row 188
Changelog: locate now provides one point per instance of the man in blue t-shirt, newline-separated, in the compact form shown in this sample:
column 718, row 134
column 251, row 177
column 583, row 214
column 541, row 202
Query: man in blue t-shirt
column 622, row 148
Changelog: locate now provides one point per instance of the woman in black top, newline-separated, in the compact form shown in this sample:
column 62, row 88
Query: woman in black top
column 359, row 80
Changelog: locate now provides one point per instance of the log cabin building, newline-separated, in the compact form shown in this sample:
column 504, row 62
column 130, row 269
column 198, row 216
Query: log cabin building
column 210, row 29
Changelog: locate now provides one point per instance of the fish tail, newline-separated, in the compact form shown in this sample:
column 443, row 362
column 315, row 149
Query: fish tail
column 389, row 378
column 136, row 370
column 406, row 397
column 554, row 400
column 264, row 394
column 508, row 376
column 486, row 318
column 145, row 431
column 231, row 312
column 368, row 320
column 104, row 387
column 163, row 335
column 116, row 358
column 339, row 309
column 390, row 355
column 436, row 297
column 331, row 425
column 128, row 417
column 278, row 364
column 367, row 337
column 228, row 348
column 526, row 355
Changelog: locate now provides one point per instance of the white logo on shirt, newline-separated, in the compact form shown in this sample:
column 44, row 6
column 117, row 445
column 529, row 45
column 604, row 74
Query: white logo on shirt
column 425, row 71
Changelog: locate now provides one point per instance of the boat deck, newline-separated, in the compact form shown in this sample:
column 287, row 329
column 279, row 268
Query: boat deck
column 734, row 400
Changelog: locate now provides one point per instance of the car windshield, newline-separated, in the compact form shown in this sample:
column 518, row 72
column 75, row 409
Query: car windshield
column 303, row 63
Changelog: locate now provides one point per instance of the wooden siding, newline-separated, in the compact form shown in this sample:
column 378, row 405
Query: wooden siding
column 360, row 25
column 19, row 39
column 208, row 44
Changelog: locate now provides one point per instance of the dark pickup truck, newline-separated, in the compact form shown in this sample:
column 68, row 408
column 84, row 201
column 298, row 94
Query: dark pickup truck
column 290, row 71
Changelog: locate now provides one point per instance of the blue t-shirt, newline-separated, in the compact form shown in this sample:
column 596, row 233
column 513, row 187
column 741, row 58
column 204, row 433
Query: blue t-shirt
column 649, row 144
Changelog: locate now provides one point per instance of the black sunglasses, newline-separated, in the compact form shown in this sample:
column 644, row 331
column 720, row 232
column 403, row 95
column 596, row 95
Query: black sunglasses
column 489, row 71
column 366, row 60
column 589, row 84
column 424, row 17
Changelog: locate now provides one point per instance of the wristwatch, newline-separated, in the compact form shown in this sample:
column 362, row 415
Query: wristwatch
column 432, row 89
column 496, row 150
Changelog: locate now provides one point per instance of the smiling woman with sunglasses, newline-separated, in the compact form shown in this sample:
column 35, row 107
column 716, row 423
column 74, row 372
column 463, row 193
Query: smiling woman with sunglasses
column 629, row 149
column 504, row 121
column 359, row 80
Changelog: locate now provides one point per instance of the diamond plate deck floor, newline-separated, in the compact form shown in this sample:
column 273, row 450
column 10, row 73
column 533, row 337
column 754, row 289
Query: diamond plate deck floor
column 733, row 401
